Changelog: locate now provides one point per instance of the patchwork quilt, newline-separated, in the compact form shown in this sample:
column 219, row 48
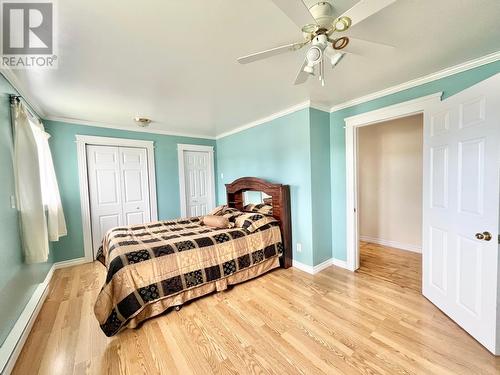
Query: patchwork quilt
column 150, row 266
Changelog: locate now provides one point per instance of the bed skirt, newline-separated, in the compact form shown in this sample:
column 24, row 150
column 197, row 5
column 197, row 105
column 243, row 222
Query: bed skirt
column 162, row 305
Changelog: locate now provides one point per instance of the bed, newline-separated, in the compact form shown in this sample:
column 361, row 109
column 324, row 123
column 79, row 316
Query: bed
column 153, row 267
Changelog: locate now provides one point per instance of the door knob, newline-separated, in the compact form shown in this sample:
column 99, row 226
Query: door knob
column 484, row 236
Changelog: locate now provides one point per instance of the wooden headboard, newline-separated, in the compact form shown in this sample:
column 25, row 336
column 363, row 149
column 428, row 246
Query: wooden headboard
column 281, row 207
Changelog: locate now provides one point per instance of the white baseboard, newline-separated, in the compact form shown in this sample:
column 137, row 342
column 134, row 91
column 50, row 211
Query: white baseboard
column 13, row 344
column 319, row 267
column 71, row 262
column 395, row 244
column 340, row 263
column 302, row 266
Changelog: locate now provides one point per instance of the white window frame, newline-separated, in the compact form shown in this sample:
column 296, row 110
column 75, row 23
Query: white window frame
column 182, row 178
column 404, row 109
column 82, row 141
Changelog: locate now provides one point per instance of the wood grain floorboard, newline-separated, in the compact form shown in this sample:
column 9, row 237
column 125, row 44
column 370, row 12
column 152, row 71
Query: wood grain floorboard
column 401, row 267
column 374, row 321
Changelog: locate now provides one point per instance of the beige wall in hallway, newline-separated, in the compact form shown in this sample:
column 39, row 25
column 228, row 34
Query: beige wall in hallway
column 390, row 181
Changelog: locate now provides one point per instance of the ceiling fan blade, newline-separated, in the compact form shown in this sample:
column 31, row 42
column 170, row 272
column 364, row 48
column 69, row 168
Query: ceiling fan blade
column 271, row 52
column 366, row 48
column 301, row 75
column 296, row 10
column 366, row 8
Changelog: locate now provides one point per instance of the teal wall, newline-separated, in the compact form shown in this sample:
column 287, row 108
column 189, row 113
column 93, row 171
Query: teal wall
column 293, row 150
column 17, row 280
column 320, row 185
column 63, row 146
column 278, row 151
column 449, row 86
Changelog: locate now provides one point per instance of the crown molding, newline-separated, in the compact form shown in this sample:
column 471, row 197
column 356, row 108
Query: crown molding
column 9, row 75
column 320, row 106
column 125, row 128
column 495, row 56
column 263, row 120
column 492, row 57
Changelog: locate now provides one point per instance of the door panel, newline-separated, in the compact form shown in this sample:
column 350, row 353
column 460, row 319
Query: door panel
column 438, row 258
column 107, row 187
column 469, row 275
column 461, row 199
column 439, row 177
column 470, row 176
column 106, row 222
column 133, row 218
column 133, row 187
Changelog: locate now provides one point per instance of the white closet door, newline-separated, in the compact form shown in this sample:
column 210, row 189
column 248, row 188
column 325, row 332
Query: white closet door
column 119, row 188
column 103, row 164
column 135, row 192
column 198, row 182
column 461, row 209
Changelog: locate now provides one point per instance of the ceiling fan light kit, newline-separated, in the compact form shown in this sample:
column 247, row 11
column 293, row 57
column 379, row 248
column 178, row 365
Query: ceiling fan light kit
column 318, row 23
column 342, row 23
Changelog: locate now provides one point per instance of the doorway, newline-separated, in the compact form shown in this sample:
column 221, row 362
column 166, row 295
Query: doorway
column 117, row 186
column 389, row 172
column 353, row 124
column 460, row 203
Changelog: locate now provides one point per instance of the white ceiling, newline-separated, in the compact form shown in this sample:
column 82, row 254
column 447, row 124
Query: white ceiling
column 175, row 61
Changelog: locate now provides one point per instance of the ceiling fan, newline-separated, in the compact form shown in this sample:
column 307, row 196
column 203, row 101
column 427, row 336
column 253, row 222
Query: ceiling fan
column 320, row 22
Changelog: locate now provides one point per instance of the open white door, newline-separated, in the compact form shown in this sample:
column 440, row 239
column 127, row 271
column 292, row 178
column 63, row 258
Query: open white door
column 461, row 209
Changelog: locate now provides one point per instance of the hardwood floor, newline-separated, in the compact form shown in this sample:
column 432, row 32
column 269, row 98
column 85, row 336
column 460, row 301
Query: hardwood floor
column 400, row 267
column 285, row 322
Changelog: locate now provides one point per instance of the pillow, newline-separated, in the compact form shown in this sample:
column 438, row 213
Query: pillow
column 216, row 221
column 253, row 221
column 216, row 211
column 261, row 208
column 228, row 212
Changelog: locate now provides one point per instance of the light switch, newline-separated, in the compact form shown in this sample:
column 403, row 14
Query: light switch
column 12, row 201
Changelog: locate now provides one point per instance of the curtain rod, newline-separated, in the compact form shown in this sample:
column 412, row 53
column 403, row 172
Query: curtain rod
column 16, row 99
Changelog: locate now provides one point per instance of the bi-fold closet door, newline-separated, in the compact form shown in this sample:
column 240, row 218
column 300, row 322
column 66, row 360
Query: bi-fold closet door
column 118, row 188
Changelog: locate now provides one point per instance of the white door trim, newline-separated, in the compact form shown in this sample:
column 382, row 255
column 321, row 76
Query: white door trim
column 352, row 123
column 81, row 143
column 182, row 179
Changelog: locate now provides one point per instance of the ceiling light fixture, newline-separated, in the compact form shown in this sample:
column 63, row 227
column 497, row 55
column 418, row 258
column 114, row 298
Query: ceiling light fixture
column 143, row 122
column 342, row 23
column 316, row 56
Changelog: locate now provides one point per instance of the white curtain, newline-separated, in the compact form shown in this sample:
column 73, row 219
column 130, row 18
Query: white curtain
column 29, row 191
column 36, row 187
column 50, row 190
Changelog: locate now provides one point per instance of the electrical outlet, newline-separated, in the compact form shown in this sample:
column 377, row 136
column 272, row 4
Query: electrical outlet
column 299, row 247
column 222, row 176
